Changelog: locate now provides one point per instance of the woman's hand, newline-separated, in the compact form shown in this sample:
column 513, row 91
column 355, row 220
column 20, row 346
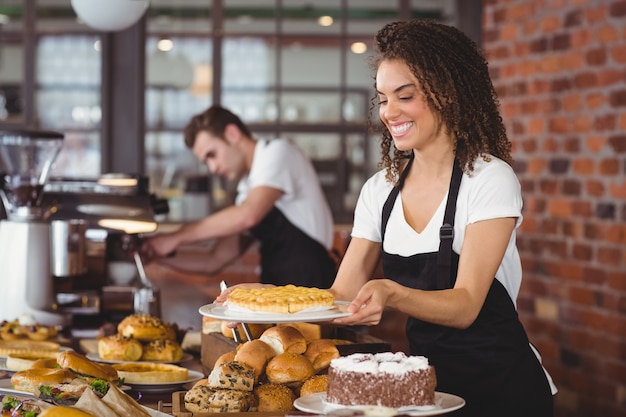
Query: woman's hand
column 368, row 306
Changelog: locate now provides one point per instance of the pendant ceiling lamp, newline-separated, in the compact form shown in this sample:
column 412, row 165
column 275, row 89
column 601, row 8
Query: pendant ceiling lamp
column 110, row 15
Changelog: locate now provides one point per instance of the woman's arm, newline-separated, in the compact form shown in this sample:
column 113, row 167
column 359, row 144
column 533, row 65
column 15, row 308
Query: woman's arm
column 483, row 249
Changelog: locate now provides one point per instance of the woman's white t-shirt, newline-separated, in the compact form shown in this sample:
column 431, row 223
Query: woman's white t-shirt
column 282, row 165
column 491, row 191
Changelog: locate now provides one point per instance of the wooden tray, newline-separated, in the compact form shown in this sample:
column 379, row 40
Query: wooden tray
column 179, row 410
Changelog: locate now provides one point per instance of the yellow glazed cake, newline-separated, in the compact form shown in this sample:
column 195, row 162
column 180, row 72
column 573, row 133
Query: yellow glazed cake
column 284, row 299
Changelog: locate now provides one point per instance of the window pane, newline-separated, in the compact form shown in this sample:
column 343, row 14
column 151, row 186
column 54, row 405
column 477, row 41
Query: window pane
column 11, row 62
column 249, row 17
column 67, row 99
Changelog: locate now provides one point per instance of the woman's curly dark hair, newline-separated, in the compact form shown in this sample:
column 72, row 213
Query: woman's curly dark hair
column 454, row 79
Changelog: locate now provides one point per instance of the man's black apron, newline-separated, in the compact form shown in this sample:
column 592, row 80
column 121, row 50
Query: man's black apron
column 290, row 256
column 490, row 364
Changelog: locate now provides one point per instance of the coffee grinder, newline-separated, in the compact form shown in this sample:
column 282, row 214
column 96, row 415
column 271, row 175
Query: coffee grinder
column 26, row 283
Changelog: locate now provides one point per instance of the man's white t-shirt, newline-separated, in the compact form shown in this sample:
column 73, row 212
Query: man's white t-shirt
column 491, row 191
column 282, row 165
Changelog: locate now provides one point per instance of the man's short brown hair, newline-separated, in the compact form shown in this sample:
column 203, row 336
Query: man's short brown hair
column 213, row 120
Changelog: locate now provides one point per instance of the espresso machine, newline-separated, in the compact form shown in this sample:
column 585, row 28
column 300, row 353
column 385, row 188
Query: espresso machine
column 26, row 285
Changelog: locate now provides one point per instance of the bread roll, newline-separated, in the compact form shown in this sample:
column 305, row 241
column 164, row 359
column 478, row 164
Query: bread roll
column 274, row 398
column 45, row 363
column 256, row 329
column 289, row 367
column 80, row 364
column 232, row 375
column 284, row 339
column 119, row 348
column 150, row 373
column 145, row 327
column 255, row 353
column 320, row 352
column 202, row 399
column 30, row 379
column 225, row 357
column 163, row 350
column 313, row 385
column 310, row 331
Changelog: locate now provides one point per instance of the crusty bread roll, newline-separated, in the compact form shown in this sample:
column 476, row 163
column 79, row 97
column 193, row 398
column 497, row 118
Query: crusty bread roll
column 310, row 331
column 274, row 398
column 232, row 375
column 119, row 348
column 45, row 363
column 30, row 379
column 23, row 361
column 150, row 373
column 225, row 357
column 320, row 352
column 284, row 339
column 165, row 350
column 313, row 385
column 145, row 327
column 289, row 367
column 256, row 329
column 80, row 364
column 255, row 353
column 202, row 399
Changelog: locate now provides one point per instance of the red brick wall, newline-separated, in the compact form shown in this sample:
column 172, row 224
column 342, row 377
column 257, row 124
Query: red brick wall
column 560, row 70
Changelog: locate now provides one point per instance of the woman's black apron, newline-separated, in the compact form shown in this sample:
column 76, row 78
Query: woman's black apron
column 290, row 256
column 490, row 364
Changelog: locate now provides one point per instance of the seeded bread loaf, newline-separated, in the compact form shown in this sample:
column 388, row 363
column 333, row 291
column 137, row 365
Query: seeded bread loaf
column 232, row 375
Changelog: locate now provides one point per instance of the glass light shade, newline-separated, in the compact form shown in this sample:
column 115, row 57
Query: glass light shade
column 110, row 15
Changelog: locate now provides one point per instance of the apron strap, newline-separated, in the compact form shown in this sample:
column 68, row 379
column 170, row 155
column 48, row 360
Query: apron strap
column 446, row 232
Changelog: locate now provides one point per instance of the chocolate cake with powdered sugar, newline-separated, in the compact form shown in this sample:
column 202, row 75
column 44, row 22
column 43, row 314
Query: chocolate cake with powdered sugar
column 383, row 379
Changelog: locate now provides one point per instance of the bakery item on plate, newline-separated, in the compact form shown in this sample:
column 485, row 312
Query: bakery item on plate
column 162, row 350
column 284, row 339
column 29, row 380
column 320, row 352
column 145, row 327
column 62, row 411
column 274, row 398
column 255, row 353
column 289, row 367
column 203, row 399
column 118, row 347
column 123, row 404
column 25, row 360
column 282, row 299
column 86, row 368
column 383, row 379
column 313, row 385
column 232, row 375
column 150, row 373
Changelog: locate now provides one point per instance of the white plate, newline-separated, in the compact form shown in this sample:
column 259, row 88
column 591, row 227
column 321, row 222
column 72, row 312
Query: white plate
column 194, row 376
column 96, row 358
column 316, row 403
column 220, row 311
